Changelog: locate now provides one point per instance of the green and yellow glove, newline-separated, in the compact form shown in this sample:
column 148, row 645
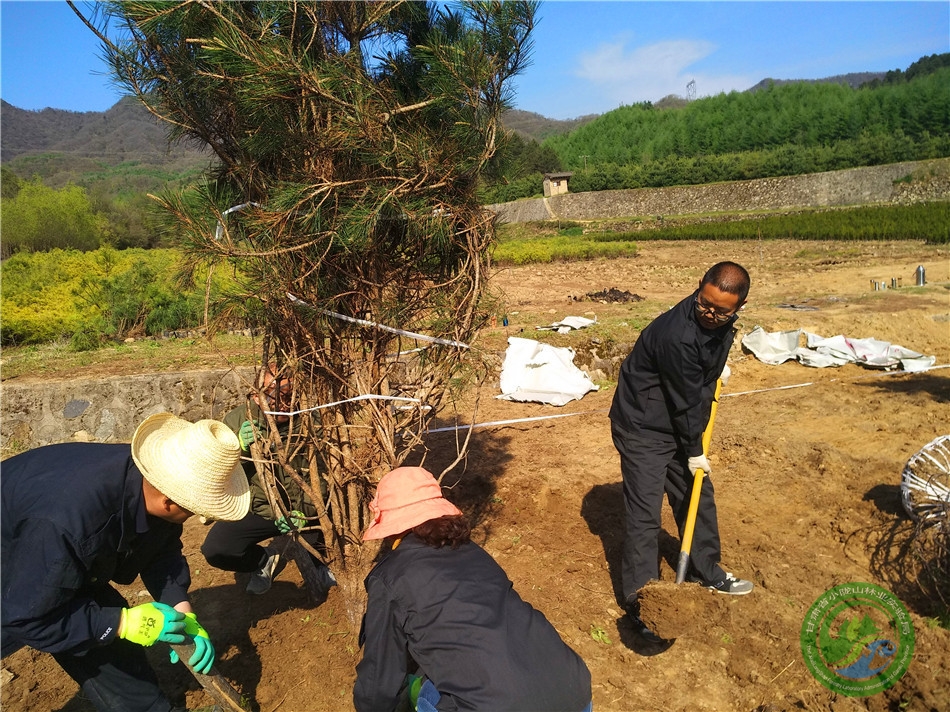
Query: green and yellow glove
column 152, row 622
column 293, row 521
column 414, row 683
column 202, row 659
column 248, row 433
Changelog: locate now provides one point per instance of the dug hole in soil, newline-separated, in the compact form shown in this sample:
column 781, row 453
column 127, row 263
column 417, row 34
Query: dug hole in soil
column 807, row 486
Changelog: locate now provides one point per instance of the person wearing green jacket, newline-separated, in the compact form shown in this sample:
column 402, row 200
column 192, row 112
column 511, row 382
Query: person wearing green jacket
column 236, row 546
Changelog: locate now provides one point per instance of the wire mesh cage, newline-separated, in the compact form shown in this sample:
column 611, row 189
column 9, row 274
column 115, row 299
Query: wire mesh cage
column 925, row 493
column 925, row 484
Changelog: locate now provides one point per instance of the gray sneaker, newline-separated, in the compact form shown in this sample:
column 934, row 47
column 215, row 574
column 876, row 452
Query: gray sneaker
column 730, row 585
column 261, row 581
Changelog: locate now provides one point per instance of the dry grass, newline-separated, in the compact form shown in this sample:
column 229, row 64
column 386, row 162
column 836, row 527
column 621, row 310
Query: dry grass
column 57, row 361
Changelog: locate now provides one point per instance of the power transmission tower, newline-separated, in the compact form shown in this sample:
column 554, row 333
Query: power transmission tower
column 691, row 90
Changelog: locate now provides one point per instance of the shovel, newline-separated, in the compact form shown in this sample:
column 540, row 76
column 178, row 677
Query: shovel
column 687, row 542
column 215, row 684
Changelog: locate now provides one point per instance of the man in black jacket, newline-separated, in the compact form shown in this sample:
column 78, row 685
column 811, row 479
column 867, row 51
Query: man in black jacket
column 76, row 516
column 658, row 415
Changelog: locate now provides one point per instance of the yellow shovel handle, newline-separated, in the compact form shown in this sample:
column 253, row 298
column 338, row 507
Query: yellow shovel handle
column 690, row 527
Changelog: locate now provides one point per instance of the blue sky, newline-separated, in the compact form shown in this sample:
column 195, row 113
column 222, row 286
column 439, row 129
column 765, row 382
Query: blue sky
column 589, row 57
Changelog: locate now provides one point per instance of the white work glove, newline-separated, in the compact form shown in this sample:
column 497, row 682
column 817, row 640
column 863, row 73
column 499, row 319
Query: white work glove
column 698, row 462
column 724, row 376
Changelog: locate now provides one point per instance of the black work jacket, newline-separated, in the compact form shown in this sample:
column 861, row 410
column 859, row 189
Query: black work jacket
column 668, row 381
column 73, row 519
column 455, row 613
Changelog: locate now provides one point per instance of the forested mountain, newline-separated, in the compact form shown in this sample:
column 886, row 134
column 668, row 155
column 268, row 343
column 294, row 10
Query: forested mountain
column 81, row 178
column 802, row 114
column 530, row 126
column 778, row 127
column 123, row 133
column 127, row 132
column 117, row 156
column 854, row 80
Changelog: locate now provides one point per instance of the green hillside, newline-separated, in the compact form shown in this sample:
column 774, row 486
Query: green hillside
column 802, row 115
column 786, row 128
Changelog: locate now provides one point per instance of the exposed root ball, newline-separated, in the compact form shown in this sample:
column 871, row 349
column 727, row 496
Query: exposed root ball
column 679, row 610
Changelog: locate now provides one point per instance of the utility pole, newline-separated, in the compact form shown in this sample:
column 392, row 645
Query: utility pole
column 585, row 162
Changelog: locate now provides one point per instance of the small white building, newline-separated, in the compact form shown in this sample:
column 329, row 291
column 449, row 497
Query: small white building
column 556, row 183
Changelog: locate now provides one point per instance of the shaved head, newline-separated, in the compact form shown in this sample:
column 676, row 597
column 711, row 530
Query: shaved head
column 728, row 277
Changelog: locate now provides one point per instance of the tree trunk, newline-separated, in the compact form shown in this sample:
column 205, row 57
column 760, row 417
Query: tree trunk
column 349, row 579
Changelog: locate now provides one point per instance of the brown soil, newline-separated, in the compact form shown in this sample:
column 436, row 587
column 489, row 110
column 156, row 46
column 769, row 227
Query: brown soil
column 807, row 485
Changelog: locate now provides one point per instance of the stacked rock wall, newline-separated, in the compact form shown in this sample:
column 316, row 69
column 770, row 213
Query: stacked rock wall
column 36, row 414
column 913, row 181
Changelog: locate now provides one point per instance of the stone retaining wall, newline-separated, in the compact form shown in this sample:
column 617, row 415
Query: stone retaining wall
column 855, row 186
column 35, row 414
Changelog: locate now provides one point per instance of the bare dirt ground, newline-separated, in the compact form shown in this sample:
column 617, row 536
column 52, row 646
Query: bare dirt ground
column 807, row 483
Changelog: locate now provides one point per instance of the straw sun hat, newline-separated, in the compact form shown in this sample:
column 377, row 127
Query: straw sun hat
column 196, row 465
column 405, row 498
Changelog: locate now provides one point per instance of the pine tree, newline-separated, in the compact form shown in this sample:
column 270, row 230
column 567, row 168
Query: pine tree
column 349, row 138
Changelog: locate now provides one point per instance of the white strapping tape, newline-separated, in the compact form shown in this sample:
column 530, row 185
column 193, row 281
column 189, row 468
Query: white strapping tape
column 383, row 327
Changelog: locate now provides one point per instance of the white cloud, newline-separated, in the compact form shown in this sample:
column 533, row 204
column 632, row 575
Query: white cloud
column 651, row 72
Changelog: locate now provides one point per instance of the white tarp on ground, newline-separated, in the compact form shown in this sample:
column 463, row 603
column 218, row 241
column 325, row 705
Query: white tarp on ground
column 567, row 323
column 819, row 352
column 541, row 373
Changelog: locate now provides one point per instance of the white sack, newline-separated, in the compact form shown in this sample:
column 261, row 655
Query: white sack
column 541, row 373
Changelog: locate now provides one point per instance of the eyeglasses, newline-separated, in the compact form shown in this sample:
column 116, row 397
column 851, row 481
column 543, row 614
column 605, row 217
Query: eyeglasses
column 712, row 312
column 278, row 391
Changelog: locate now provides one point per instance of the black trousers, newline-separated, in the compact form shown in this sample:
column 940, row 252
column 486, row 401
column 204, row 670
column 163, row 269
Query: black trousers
column 116, row 677
column 651, row 464
column 235, row 546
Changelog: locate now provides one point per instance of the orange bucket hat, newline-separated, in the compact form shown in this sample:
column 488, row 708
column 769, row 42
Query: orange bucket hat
column 405, row 498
